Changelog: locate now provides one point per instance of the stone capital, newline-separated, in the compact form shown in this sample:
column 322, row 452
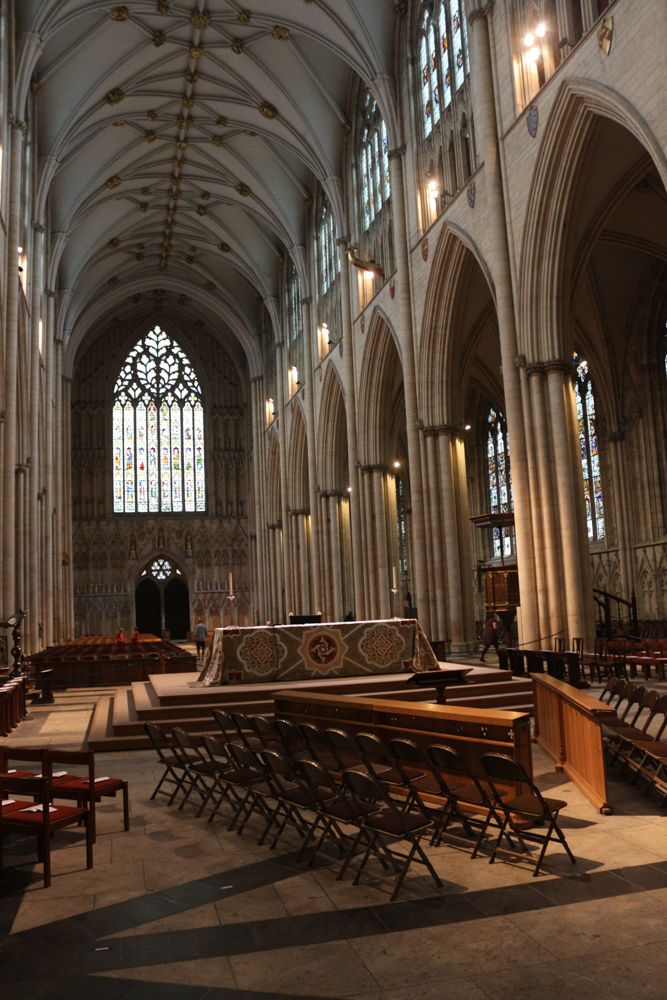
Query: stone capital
column 306, row 301
column 399, row 151
column 478, row 9
column 50, row 293
column 17, row 123
column 343, row 240
column 38, row 227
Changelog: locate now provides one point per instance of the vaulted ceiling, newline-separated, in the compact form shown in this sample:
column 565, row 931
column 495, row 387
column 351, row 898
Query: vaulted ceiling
column 178, row 142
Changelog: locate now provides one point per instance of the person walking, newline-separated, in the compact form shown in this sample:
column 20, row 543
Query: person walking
column 201, row 633
column 489, row 636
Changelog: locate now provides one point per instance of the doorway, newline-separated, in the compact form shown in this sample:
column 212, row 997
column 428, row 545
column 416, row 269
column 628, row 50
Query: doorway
column 147, row 606
column 177, row 608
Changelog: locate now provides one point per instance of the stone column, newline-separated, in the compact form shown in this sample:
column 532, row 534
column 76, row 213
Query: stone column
column 615, row 439
column 9, row 526
column 58, row 499
column 366, row 484
column 567, row 499
column 258, row 472
column 546, row 495
column 20, row 474
column 363, row 555
column 498, row 256
column 336, row 565
column 295, row 564
column 436, row 533
column 398, row 217
column 303, row 548
column 281, row 374
column 533, row 479
column 384, row 604
column 67, row 505
column 452, row 555
column 327, row 588
column 33, row 483
column 49, row 436
column 428, row 528
column 310, row 353
column 351, row 425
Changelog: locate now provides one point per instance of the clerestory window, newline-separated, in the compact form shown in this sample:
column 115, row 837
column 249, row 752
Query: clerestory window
column 158, row 431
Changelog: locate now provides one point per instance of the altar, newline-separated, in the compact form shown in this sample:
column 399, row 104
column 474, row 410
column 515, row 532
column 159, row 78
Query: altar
column 310, row 652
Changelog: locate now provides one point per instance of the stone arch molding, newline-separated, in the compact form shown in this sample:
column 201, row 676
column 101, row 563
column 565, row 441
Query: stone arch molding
column 439, row 369
column 543, row 291
column 381, row 342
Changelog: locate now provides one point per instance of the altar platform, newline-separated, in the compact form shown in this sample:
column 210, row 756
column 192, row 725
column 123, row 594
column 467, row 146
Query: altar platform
column 178, row 699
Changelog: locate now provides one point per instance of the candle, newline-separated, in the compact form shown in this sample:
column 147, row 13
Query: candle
column 393, row 569
column 231, row 588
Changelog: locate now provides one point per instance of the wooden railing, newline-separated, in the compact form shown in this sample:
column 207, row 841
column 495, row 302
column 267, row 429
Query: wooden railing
column 568, row 727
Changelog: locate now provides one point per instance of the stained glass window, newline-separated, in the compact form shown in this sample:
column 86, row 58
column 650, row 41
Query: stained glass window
column 329, row 255
column 158, row 431
column 443, row 57
column 500, row 478
column 588, row 445
column 374, row 158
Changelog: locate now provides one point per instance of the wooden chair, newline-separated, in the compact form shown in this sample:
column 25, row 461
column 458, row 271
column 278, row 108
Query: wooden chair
column 35, row 816
column 522, row 813
column 87, row 790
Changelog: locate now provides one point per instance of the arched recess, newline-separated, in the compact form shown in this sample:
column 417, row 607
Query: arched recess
column 591, row 279
column 459, row 379
column 333, row 497
column 299, row 512
column 162, row 596
column 385, row 474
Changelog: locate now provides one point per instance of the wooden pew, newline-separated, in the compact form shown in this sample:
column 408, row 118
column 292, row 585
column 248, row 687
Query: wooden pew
column 568, row 727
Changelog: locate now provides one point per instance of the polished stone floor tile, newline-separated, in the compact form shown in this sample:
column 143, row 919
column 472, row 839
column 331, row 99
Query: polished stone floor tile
column 332, row 970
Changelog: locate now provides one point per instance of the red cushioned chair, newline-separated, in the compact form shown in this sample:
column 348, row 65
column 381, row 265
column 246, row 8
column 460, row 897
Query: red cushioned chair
column 86, row 789
column 35, row 816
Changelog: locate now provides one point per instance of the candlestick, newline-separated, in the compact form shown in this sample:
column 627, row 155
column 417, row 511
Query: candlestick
column 231, row 587
column 393, row 569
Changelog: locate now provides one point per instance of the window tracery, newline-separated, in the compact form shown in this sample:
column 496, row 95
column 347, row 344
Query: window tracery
column 158, row 431
column 327, row 258
column 448, row 155
column 588, row 444
column 372, row 155
column 500, row 479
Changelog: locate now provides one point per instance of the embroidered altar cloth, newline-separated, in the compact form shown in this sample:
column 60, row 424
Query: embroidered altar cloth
column 309, row 652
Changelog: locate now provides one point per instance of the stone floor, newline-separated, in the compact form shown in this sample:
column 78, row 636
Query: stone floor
column 180, row 908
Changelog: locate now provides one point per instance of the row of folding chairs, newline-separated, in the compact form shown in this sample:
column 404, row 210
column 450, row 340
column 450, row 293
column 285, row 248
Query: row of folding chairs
column 356, row 794
column 634, row 737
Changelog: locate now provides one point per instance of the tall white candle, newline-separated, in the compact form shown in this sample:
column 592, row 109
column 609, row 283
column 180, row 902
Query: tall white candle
column 231, row 588
column 393, row 569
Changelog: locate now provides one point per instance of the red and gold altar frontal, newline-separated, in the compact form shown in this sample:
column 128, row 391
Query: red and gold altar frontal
column 309, row 652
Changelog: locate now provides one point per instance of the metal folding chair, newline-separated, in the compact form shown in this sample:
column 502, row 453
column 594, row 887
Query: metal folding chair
column 523, row 812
